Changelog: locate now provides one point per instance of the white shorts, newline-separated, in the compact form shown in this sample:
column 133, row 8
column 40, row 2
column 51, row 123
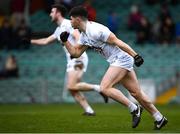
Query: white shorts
column 124, row 61
column 75, row 62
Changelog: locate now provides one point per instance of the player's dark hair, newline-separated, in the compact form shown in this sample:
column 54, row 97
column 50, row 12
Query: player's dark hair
column 79, row 11
column 62, row 9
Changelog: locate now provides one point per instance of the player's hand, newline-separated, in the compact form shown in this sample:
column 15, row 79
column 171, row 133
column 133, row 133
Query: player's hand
column 64, row 36
column 26, row 41
column 138, row 60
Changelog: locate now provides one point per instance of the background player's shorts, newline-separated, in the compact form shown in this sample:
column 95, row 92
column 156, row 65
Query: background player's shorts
column 124, row 61
column 80, row 62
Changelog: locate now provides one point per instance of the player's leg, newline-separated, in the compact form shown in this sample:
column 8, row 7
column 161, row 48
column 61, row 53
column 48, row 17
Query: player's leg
column 130, row 82
column 79, row 97
column 75, row 84
column 110, row 78
column 113, row 76
column 76, row 68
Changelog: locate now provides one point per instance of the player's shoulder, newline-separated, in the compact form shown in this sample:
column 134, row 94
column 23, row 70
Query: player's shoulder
column 57, row 29
column 95, row 26
column 65, row 21
column 67, row 25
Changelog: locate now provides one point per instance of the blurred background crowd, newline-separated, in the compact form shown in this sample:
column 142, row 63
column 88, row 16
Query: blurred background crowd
column 16, row 20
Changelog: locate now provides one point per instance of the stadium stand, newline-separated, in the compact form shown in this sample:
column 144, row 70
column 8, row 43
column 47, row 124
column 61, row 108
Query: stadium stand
column 42, row 70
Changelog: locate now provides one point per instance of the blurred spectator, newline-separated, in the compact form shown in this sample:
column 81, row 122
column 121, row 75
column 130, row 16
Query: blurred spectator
column 113, row 22
column 1, row 18
column 23, row 31
column 143, row 31
column 11, row 69
column 91, row 10
column 167, row 31
column 68, row 3
column 37, row 5
column 178, row 33
column 17, row 10
column 156, row 30
column 1, row 63
column 134, row 18
column 17, row 6
column 164, row 12
column 2, row 71
column 6, row 35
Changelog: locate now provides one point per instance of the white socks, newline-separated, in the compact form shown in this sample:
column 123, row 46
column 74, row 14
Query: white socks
column 97, row 88
column 132, row 107
column 157, row 116
column 89, row 110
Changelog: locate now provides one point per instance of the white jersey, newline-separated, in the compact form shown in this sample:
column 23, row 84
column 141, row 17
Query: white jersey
column 96, row 36
column 66, row 26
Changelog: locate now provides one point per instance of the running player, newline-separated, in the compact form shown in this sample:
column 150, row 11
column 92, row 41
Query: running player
column 75, row 66
column 121, row 58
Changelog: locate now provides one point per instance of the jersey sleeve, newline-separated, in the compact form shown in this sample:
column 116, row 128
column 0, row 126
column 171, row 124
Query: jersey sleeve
column 103, row 33
column 56, row 33
column 81, row 40
column 70, row 30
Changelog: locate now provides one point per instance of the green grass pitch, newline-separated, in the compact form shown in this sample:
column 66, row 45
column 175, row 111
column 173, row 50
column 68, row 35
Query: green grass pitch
column 68, row 118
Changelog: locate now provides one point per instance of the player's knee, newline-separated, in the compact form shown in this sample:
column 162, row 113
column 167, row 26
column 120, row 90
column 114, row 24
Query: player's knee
column 104, row 88
column 136, row 94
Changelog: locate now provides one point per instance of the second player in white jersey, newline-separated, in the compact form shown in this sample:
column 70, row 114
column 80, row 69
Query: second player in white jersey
column 76, row 66
column 71, row 62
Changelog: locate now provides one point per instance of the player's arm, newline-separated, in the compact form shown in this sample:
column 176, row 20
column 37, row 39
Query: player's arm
column 43, row 41
column 76, row 35
column 112, row 39
column 76, row 50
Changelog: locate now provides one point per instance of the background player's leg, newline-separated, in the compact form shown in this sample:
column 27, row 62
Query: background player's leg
column 79, row 97
column 76, row 85
column 75, row 76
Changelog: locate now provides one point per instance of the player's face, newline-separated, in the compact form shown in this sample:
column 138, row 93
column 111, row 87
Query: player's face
column 53, row 15
column 75, row 22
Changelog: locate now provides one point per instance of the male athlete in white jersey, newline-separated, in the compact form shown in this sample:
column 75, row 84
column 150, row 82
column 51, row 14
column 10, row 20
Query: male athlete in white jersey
column 75, row 66
column 121, row 58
